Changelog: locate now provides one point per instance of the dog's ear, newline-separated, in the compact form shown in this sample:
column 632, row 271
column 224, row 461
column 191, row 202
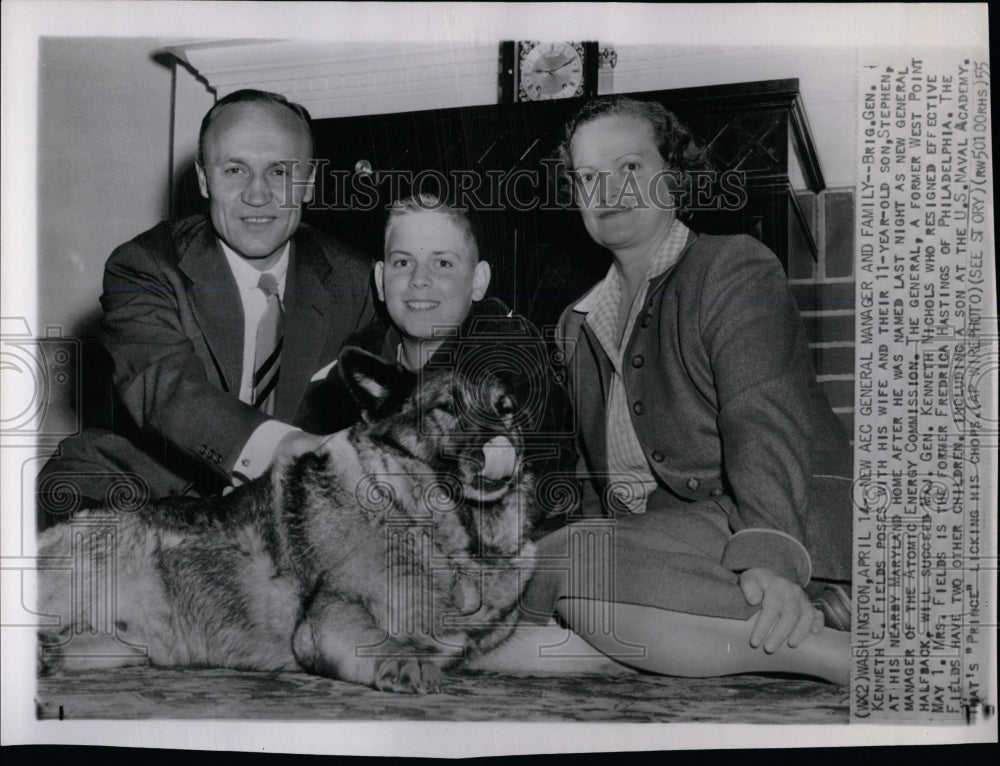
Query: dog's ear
column 379, row 387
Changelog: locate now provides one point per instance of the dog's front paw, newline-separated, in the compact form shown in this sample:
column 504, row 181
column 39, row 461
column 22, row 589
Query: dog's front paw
column 410, row 675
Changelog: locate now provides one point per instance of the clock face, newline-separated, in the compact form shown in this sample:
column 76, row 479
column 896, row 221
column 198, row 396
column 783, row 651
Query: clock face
column 551, row 70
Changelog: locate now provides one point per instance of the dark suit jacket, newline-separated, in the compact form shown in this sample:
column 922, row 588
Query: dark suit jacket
column 724, row 400
column 173, row 326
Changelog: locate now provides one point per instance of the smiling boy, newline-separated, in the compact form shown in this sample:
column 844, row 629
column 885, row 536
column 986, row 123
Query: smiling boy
column 430, row 276
column 433, row 282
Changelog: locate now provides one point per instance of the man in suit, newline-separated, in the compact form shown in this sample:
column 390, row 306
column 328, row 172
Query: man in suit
column 211, row 361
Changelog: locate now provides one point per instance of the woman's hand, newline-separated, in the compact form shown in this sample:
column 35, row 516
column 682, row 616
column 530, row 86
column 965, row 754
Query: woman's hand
column 785, row 614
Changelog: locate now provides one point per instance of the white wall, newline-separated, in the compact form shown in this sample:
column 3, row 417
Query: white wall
column 192, row 99
column 103, row 165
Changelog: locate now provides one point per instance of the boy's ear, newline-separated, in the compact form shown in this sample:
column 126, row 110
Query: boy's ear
column 378, row 386
column 379, row 275
column 480, row 280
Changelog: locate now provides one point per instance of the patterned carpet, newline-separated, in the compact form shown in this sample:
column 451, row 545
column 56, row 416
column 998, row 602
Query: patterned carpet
column 154, row 693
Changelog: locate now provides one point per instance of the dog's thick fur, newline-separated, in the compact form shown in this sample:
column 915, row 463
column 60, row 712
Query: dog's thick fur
column 389, row 554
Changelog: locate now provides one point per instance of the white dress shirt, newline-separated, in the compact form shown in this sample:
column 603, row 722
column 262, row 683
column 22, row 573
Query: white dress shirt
column 258, row 452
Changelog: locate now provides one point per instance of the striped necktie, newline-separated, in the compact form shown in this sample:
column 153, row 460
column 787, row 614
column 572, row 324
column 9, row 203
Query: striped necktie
column 267, row 361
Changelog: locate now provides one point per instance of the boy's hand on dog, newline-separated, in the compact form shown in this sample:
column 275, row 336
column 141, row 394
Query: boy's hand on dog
column 785, row 614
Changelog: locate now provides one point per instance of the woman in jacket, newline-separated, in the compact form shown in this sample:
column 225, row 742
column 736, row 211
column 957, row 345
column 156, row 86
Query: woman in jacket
column 713, row 461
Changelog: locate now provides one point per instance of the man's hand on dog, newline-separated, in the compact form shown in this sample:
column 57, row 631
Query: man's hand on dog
column 296, row 443
column 292, row 444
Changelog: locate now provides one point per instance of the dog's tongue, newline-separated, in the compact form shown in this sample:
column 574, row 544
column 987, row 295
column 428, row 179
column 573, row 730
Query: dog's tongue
column 500, row 458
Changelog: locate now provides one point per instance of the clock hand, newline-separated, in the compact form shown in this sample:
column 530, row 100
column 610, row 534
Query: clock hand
column 553, row 71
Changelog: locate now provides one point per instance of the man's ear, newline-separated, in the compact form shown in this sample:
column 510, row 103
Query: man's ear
column 378, row 386
column 379, row 276
column 480, row 280
column 202, row 179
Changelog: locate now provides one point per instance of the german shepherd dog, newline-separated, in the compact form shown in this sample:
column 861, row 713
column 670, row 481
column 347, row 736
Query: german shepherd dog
column 396, row 550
